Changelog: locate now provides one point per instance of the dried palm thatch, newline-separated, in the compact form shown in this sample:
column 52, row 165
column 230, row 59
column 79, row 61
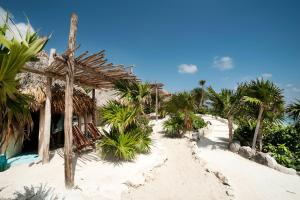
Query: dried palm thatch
column 35, row 85
column 82, row 103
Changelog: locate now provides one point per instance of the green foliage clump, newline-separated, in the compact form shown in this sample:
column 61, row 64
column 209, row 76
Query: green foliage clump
column 118, row 146
column 174, row 127
column 129, row 132
column 15, row 51
column 283, row 142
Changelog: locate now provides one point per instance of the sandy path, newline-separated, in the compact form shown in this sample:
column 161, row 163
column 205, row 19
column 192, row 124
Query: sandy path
column 94, row 178
column 181, row 177
column 248, row 179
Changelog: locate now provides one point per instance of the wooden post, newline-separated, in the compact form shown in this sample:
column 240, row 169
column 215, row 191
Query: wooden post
column 47, row 128
column 68, row 154
column 41, row 131
column 156, row 102
column 45, row 118
column 94, row 120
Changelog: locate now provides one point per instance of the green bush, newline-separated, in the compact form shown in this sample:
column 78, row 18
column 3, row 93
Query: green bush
column 283, row 142
column 174, row 126
column 197, row 122
column 118, row 146
column 244, row 133
column 129, row 134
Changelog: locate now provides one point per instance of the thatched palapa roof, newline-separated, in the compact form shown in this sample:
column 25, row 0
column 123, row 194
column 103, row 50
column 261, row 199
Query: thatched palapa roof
column 35, row 84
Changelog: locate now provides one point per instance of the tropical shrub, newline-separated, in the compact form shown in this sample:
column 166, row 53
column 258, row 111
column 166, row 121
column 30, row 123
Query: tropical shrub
column 174, row 127
column 118, row 146
column 15, row 51
column 283, row 142
column 198, row 122
column 129, row 132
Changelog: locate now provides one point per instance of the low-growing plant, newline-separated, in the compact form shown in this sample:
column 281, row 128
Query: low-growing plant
column 174, row 126
column 118, row 146
column 197, row 122
column 129, row 132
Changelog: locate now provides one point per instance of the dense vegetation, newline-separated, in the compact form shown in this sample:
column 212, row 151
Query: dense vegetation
column 257, row 107
column 180, row 109
column 15, row 50
column 129, row 132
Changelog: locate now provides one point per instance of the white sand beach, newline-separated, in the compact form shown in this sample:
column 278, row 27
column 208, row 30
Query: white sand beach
column 248, row 179
column 169, row 172
column 94, row 178
column 181, row 177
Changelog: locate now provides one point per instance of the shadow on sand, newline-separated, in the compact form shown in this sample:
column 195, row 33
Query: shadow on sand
column 205, row 142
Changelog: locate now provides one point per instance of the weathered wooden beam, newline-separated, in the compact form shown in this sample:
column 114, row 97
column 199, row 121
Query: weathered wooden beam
column 47, row 126
column 94, row 107
column 41, row 132
column 68, row 153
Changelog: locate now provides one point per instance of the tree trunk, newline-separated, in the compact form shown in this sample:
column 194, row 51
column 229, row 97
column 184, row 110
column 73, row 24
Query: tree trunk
column 259, row 118
column 230, row 128
column 260, row 137
column 202, row 95
column 68, row 154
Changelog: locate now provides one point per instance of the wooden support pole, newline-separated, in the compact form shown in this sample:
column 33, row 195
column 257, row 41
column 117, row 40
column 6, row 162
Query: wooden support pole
column 41, row 131
column 68, row 154
column 156, row 102
column 94, row 119
column 45, row 118
column 47, row 127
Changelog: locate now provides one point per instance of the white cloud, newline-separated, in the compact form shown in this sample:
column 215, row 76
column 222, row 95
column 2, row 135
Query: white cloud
column 223, row 63
column 187, row 69
column 266, row 75
column 289, row 85
column 16, row 30
column 294, row 89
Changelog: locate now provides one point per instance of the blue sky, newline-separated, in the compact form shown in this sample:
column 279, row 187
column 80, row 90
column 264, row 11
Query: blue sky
column 180, row 42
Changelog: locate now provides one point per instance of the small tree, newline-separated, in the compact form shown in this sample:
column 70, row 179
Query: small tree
column 267, row 97
column 182, row 102
column 226, row 104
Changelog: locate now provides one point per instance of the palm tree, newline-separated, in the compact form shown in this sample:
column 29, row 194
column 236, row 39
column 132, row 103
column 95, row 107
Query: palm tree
column 202, row 83
column 134, row 93
column 293, row 111
column 14, row 53
column 182, row 102
column 269, row 99
column 226, row 104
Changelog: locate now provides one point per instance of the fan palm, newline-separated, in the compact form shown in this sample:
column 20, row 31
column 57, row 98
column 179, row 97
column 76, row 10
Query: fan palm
column 293, row 111
column 14, row 53
column 134, row 93
column 226, row 104
column 269, row 100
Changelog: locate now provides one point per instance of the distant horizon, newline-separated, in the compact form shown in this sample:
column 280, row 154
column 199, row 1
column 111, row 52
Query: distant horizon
column 179, row 43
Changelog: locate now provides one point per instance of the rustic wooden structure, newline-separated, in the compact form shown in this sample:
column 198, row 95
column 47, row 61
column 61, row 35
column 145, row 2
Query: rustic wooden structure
column 156, row 87
column 92, row 71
